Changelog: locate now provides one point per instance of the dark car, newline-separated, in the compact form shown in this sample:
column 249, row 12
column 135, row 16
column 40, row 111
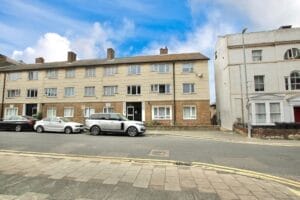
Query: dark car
column 18, row 123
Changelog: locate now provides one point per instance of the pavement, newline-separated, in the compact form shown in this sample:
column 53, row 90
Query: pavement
column 59, row 176
column 225, row 136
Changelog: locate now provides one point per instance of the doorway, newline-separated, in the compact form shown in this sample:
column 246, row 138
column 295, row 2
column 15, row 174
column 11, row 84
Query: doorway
column 297, row 114
column 31, row 109
column 134, row 111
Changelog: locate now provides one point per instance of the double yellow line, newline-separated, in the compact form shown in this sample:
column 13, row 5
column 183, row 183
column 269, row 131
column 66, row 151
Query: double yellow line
column 220, row 168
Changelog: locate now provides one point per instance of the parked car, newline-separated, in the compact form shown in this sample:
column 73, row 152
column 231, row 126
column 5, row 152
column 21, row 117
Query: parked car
column 18, row 123
column 113, row 122
column 58, row 124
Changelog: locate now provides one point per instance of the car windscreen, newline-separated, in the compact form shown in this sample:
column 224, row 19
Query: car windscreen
column 64, row 119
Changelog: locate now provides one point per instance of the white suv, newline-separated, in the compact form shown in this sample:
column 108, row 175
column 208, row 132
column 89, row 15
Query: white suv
column 113, row 122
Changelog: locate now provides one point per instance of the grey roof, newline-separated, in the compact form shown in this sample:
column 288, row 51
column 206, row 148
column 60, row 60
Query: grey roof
column 103, row 62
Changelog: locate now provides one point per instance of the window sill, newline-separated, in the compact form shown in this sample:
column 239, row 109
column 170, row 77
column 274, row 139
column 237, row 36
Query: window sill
column 130, row 95
column 133, row 74
column 190, row 119
column 51, row 97
column 191, row 93
column 69, row 96
column 89, row 96
column 161, row 119
column 31, row 97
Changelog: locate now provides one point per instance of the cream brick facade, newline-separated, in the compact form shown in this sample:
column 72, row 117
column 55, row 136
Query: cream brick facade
column 198, row 77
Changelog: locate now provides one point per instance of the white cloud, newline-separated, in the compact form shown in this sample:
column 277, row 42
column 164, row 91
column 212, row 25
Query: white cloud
column 91, row 44
column 51, row 46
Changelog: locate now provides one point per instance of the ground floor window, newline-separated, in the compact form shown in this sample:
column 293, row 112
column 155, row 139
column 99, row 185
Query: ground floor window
column 108, row 109
column 161, row 112
column 69, row 112
column 266, row 112
column 275, row 113
column 189, row 112
column 10, row 112
column 260, row 112
column 51, row 112
column 88, row 111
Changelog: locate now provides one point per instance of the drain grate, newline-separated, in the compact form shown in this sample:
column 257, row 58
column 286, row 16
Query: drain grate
column 159, row 153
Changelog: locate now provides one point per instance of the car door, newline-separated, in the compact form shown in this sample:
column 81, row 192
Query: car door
column 57, row 125
column 115, row 122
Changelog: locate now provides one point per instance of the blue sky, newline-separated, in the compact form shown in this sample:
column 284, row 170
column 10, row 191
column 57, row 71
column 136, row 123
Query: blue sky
column 32, row 28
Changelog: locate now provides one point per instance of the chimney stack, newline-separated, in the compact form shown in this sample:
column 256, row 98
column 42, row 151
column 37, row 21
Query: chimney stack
column 164, row 50
column 71, row 56
column 39, row 60
column 110, row 53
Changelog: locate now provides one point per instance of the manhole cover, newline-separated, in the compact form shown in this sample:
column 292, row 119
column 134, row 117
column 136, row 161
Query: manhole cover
column 159, row 153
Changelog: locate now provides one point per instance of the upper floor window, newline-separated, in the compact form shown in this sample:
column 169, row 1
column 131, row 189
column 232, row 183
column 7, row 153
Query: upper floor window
column 51, row 92
column 187, row 68
column 51, row 73
column 161, row 68
column 110, row 90
column 70, row 73
column 160, row 88
column 33, row 75
column 13, row 76
column 89, row 91
column 134, row 69
column 13, row 93
column 134, row 89
column 259, row 83
column 256, row 55
column 188, row 88
column 90, row 72
column 295, row 80
column 32, row 93
column 110, row 71
column 69, row 91
column 292, row 53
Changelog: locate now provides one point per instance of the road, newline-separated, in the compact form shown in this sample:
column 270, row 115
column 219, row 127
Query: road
column 276, row 160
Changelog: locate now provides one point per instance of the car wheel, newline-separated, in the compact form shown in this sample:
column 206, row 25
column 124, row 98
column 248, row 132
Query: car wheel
column 18, row 128
column 68, row 130
column 132, row 131
column 95, row 130
column 39, row 129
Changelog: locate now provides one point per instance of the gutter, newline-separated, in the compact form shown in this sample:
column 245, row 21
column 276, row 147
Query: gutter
column 3, row 96
column 174, row 96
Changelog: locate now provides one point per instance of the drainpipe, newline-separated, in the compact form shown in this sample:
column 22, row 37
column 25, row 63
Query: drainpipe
column 3, row 95
column 174, row 96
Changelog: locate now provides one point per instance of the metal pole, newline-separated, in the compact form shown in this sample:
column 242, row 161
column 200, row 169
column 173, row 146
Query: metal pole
column 242, row 96
column 246, row 80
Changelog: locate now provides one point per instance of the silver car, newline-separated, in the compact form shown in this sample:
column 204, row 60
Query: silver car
column 113, row 122
column 58, row 124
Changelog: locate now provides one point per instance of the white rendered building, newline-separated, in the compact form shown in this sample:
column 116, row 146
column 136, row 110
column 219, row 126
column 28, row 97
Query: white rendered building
column 272, row 72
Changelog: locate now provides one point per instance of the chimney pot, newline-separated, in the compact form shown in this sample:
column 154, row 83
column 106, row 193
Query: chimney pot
column 164, row 50
column 110, row 53
column 71, row 56
column 39, row 60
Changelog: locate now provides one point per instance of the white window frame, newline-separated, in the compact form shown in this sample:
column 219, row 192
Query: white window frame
column 187, row 68
column 13, row 76
column 51, row 92
column 68, row 111
column 268, row 112
column 69, row 91
column 191, row 88
column 33, row 75
column 265, row 113
column 90, row 72
column 110, row 90
column 156, row 88
column 161, row 68
column 256, row 55
column 157, row 116
column 12, row 93
column 52, row 73
column 51, row 112
column 89, row 91
column 108, row 109
column 88, row 111
column 30, row 91
column 191, row 116
column 130, row 89
column 9, row 111
column 70, row 73
column 110, row 71
column 134, row 70
column 257, row 85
